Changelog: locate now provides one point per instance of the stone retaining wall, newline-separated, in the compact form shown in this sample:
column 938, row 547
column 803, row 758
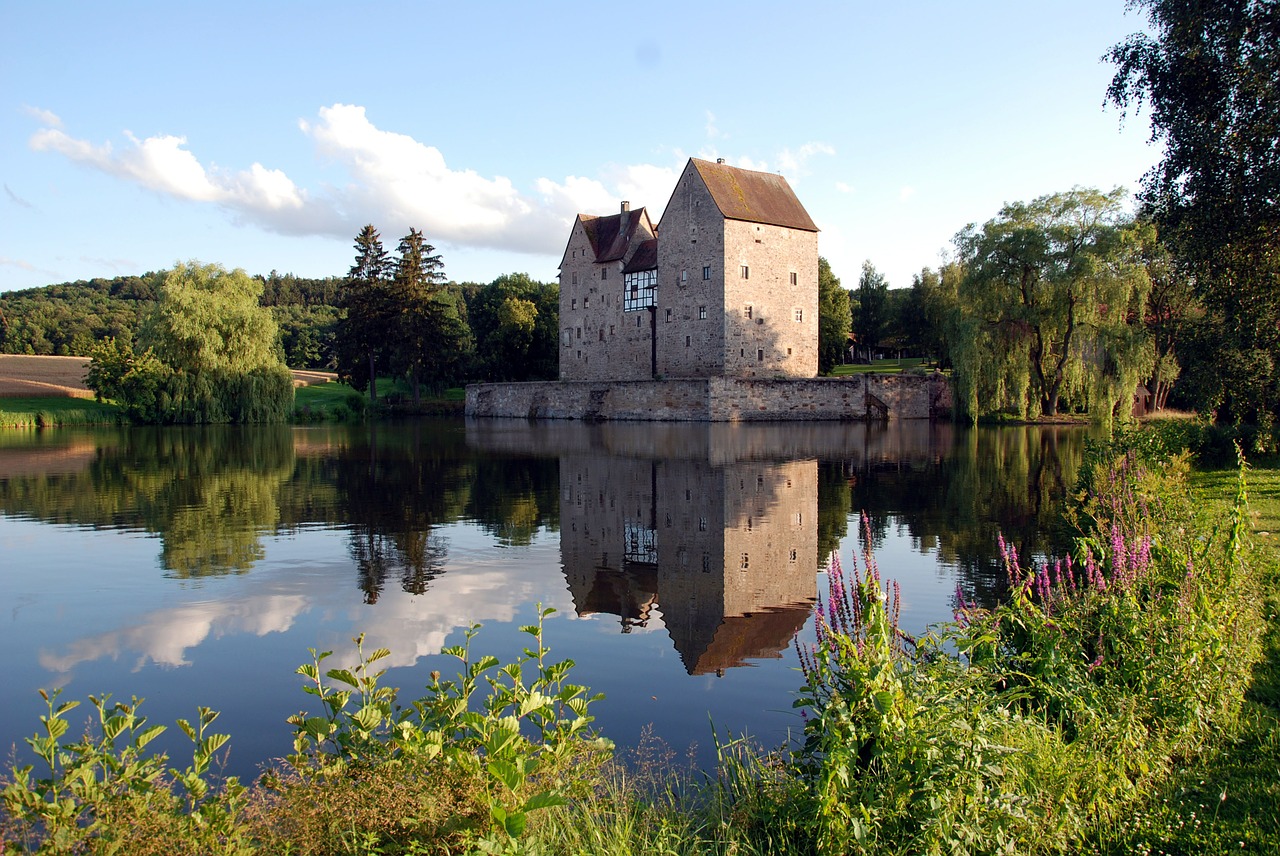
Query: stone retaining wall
column 859, row 397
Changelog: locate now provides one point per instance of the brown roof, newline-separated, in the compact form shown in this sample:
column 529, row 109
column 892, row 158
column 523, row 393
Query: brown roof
column 645, row 258
column 740, row 638
column 611, row 235
column 755, row 197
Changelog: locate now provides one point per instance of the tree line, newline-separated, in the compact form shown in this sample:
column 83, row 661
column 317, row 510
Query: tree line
column 502, row 330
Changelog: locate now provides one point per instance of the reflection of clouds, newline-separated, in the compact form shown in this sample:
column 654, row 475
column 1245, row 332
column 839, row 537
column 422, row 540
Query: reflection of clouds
column 468, row 593
column 477, row 588
column 164, row 636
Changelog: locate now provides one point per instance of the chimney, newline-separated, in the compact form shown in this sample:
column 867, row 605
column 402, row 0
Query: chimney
column 719, row 160
column 626, row 206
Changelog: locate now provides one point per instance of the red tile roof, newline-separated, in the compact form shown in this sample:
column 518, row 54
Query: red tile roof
column 755, row 197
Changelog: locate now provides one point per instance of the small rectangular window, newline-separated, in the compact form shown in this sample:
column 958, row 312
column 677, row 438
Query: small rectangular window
column 706, row 272
column 746, row 272
column 604, row 273
column 746, row 561
column 687, row 340
column 586, row 302
column 702, row 313
column 574, row 305
column 610, row 329
column 760, row 355
column 793, row 278
column 668, row 316
column 799, row 314
column 746, row 311
column 684, row 275
column 575, row 277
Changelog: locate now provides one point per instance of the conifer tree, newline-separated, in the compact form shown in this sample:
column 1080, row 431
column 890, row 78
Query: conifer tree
column 363, row 335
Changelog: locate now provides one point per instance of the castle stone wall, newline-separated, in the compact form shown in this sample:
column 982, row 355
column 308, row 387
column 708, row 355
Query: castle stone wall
column 860, row 397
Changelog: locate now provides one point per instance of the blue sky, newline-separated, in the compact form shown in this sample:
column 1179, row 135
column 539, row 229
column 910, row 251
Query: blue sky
column 263, row 135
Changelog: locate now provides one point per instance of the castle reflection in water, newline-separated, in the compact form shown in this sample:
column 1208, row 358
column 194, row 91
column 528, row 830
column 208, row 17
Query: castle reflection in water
column 692, row 526
column 726, row 553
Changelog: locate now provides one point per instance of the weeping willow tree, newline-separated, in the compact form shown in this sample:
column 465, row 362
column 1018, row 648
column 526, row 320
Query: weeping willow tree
column 1048, row 313
column 211, row 353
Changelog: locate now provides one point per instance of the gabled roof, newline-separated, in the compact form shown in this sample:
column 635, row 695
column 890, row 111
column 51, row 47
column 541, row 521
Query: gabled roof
column 612, row 234
column 645, row 258
column 754, row 197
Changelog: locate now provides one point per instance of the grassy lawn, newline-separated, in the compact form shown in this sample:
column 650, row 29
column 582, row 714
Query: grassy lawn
column 44, row 412
column 335, row 400
column 880, row 367
column 1227, row 800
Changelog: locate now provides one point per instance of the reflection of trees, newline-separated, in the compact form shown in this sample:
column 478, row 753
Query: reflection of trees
column 398, row 484
column 834, row 508
column 513, row 498
column 1008, row 481
column 209, row 492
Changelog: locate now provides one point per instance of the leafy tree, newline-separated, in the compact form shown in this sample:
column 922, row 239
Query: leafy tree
column 1210, row 74
column 515, row 320
column 208, row 319
column 1050, row 306
column 924, row 325
column 834, row 319
column 210, row 354
column 364, row 335
column 871, row 316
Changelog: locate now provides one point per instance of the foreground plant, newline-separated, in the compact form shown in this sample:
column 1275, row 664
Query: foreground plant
column 1024, row 726
column 522, row 746
column 105, row 793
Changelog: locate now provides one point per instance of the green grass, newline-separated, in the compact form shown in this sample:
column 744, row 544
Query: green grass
column 1227, row 798
column 49, row 412
column 880, row 367
column 335, row 401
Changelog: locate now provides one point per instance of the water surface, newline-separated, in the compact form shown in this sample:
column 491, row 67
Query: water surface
column 196, row 566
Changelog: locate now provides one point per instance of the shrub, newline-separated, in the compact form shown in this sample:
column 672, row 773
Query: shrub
column 1019, row 727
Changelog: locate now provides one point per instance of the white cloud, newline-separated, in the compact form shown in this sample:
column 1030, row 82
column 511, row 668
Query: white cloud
column 795, row 163
column 844, row 187
column 44, row 117
column 164, row 165
column 393, row 180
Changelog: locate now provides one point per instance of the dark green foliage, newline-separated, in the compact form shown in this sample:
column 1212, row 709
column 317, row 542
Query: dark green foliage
column 1209, row 74
column 361, row 336
column 834, row 319
column 515, row 321
column 871, row 313
column 401, row 318
column 67, row 319
column 431, row 340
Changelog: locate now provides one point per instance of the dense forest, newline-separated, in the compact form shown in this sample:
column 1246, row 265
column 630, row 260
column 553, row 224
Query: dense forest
column 67, row 319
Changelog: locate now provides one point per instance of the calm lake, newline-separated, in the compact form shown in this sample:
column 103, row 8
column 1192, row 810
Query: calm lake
column 197, row 566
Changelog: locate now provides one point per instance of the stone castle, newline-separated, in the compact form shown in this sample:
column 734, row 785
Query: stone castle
column 709, row 316
column 725, row 286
